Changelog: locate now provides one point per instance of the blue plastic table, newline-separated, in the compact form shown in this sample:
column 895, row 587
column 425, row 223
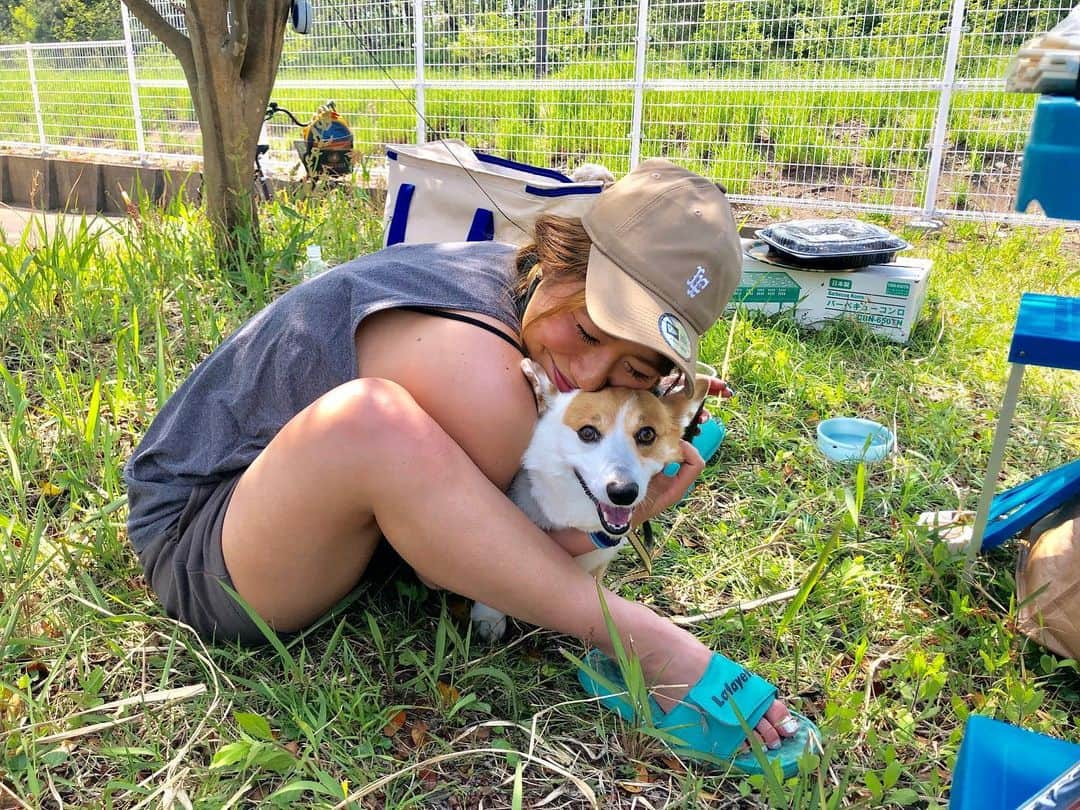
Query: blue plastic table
column 1047, row 333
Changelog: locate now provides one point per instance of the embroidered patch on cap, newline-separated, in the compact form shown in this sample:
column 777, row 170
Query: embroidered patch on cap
column 675, row 335
column 697, row 282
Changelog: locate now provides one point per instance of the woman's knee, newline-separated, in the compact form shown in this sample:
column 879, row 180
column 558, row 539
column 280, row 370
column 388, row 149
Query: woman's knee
column 377, row 417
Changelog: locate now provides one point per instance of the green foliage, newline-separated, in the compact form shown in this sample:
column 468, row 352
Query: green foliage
column 493, row 40
column 85, row 20
column 728, row 33
column 22, row 25
column 60, row 21
column 875, row 145
column 890, row 643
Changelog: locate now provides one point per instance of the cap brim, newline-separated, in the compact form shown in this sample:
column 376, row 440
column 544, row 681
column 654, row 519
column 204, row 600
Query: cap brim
column 628, row 310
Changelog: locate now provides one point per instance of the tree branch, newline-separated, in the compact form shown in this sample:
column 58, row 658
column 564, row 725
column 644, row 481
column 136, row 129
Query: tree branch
column 264, row 49
column 161, row 28
column 238, row 30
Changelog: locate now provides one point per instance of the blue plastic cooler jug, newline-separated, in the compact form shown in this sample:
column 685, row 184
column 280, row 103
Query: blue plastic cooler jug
column 1051, row 170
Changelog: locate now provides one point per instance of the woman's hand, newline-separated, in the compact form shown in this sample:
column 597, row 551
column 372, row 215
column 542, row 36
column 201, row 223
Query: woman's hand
column 717, row 388
column 720, row 388
column 664, row 491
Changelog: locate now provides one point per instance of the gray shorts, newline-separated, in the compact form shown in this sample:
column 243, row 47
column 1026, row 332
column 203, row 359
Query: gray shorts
column 185, row 568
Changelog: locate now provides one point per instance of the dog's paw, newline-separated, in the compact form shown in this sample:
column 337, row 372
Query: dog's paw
column 489, row 625
column 590, row 172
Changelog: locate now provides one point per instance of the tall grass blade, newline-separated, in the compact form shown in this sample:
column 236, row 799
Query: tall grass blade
column 795, row 605
column 629, row 666
column 90, row 428
column 774, row 783
column 16, row 470
column 272, row 637
column 159, row 370
column 642, row 551
column 515, row 802
column 135, row 344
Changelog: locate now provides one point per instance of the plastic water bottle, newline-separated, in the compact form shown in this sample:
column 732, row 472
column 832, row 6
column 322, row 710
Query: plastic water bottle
column 314, row 264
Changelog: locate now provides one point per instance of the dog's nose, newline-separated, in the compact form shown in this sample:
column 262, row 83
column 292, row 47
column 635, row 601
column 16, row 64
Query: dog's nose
column 622, row 493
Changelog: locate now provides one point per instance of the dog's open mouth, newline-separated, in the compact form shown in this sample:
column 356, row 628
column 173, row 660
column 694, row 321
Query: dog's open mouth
column 614, row 519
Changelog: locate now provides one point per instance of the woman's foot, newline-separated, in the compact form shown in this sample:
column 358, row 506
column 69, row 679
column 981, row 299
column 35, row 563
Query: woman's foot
column 687, row 667
column 772, row 729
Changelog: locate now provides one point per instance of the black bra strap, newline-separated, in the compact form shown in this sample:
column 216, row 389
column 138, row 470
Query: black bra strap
column 457, row 316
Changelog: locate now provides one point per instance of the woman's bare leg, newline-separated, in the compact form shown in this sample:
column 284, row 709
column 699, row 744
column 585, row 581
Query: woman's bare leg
column 305, row 518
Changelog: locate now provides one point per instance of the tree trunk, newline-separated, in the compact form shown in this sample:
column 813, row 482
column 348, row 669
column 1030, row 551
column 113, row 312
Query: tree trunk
column 230, row 56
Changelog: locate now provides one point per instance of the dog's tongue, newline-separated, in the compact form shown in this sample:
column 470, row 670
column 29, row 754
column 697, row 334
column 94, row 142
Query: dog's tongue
column 615, row 515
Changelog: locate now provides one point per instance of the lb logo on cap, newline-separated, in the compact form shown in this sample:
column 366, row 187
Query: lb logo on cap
column 674, row 335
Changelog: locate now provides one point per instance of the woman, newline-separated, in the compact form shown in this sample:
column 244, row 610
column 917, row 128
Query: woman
column 384, row 400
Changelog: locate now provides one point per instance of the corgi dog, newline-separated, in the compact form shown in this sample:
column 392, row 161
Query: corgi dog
column 587, row 172
column 589, row 463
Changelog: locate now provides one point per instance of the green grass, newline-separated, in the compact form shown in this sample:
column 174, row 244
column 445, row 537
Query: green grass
column 890, row 651
column 741, row 137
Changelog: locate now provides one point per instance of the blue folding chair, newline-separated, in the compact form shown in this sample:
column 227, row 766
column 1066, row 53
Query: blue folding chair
column 1047, row 333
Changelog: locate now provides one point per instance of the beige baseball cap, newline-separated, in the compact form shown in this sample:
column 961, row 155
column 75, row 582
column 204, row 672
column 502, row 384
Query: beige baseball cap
column 665, row 259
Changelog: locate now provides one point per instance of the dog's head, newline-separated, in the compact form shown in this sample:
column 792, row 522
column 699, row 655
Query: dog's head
column 593, row 453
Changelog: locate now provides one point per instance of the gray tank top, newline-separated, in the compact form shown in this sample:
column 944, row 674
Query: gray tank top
column 290, row 354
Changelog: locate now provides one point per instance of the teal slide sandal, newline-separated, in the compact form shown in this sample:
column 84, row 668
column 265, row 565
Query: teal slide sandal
column 705, row 725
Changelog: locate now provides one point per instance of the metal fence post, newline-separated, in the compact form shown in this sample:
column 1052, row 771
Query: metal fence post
column 941, row 123
column 418, row 29
column 641, row 47
column 541, row 58
column 136, row 109
column 37, row 100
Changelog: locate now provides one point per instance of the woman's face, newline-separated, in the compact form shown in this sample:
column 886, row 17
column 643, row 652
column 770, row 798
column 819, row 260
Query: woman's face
column 575, row 353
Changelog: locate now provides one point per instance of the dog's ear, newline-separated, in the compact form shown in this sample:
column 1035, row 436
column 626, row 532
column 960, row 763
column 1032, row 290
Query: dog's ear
column 701, row 388
column 543, row 389
column 682, row 407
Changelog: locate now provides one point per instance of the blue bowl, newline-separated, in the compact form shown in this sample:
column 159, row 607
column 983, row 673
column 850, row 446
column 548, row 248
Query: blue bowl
column 847, row 439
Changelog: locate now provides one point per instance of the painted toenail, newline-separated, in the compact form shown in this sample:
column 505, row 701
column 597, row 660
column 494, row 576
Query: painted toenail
column 789, row 726
column 774, row 745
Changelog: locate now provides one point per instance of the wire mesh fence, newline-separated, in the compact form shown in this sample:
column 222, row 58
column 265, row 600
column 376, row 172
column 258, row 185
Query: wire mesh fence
column 891, row 105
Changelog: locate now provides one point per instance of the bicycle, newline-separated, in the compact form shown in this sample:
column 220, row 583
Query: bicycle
column 325, row 149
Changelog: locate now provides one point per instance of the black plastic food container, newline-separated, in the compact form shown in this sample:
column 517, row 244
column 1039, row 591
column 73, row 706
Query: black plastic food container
column 831, row 244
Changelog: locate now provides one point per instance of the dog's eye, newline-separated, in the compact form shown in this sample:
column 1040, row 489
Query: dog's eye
column 645, row 436
column 588, row 434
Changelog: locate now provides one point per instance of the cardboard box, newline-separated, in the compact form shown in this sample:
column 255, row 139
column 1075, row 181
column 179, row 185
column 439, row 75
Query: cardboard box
column 886, row 297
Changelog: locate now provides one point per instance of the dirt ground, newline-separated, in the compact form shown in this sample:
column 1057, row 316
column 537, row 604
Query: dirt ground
column 13, row 221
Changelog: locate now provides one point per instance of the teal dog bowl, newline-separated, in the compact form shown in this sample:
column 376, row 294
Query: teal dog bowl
column 847, row 439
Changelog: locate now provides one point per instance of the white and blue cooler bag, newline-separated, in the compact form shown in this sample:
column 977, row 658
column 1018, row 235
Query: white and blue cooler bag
column 442, row 191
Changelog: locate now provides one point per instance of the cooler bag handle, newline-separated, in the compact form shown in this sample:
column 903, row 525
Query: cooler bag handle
column 483, row 226
column 400, row 217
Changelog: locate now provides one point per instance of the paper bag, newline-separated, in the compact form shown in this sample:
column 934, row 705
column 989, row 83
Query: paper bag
column 1048, row 582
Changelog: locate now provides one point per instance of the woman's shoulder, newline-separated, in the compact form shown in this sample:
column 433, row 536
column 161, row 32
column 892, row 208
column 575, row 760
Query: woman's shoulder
column 465, row 359
column 439, row 257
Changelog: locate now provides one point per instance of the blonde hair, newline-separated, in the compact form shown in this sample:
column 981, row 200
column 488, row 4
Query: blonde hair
column 559, row 253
